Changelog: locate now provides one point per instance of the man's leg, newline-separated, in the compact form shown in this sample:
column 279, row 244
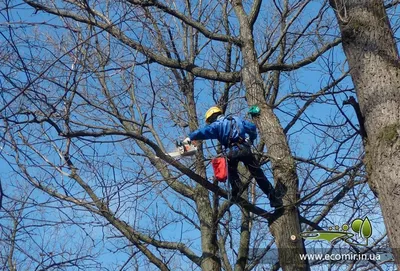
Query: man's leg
column 233, row 178
column 255, row 170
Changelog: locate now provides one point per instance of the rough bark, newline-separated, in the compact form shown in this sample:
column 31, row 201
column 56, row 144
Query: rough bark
column 374, row 61
column 285, row 222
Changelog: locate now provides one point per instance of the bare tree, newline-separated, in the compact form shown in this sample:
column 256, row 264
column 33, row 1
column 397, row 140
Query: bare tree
column 31, row 239
column 103, row 90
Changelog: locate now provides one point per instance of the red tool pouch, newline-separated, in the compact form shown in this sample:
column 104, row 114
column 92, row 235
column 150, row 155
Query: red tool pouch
column 220, row 169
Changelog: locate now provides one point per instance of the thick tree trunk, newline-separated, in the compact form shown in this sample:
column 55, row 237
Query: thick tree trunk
column 208, row 227
column 374, row 66
column 286, row 222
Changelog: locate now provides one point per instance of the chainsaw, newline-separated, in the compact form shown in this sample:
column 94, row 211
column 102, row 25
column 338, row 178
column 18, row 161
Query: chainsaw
column 183, row 149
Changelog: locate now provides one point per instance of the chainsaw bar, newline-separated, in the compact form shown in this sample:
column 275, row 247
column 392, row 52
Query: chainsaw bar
column 183, row 150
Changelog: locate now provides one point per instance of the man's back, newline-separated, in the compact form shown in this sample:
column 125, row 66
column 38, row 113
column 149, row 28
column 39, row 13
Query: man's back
column 227, row 129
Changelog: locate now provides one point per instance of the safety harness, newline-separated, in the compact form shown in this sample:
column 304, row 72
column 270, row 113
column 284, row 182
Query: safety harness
column 219, row 163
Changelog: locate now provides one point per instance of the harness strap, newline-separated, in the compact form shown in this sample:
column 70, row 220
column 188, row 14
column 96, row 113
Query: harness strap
column 240, row 139
column 230, row 131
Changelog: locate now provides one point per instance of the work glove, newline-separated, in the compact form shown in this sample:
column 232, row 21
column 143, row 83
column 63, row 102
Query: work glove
column 186, row 141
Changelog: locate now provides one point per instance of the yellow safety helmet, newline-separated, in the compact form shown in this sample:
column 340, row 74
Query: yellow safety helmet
column 210, row 112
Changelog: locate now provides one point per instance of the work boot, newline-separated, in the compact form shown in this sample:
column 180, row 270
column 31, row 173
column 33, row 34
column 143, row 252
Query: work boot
column 280, row 190
column 274, row 201
column 276, row 196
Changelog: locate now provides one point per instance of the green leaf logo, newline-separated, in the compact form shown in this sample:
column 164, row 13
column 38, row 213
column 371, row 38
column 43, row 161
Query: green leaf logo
column 356, row 225
column 366, row 228
column 362, row 227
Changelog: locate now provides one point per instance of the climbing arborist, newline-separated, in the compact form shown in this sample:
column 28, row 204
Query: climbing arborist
column 231, row 133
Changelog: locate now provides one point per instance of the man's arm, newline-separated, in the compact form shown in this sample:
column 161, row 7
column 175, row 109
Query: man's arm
column 207, row 132
column 251, row 129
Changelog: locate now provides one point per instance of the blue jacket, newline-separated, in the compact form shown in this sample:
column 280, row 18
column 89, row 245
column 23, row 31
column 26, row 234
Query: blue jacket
column 220, row 129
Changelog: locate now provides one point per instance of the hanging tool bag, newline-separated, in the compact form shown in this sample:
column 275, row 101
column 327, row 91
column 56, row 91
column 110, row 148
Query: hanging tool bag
column 220, row 168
